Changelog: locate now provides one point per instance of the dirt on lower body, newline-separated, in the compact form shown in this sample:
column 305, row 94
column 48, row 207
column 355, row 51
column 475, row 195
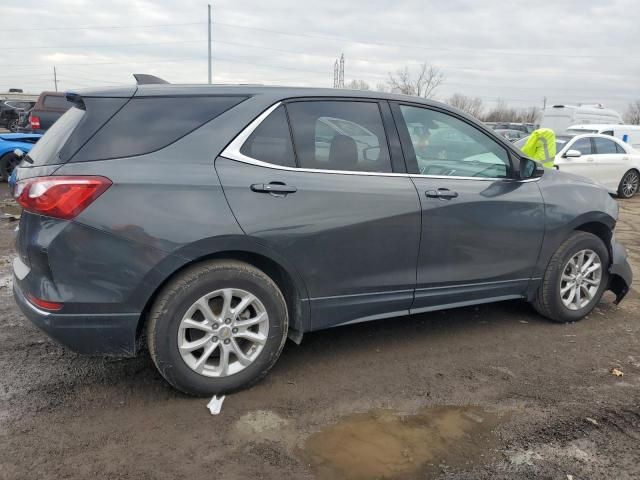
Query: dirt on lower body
column 486, row 392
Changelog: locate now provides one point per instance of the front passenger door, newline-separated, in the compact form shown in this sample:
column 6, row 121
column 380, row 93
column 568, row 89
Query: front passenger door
column 481, row 229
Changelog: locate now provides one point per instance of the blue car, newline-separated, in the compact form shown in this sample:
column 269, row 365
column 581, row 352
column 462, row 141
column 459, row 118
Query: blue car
column 8, row 143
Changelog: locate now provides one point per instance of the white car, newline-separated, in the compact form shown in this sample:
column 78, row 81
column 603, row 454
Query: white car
column 602, row 158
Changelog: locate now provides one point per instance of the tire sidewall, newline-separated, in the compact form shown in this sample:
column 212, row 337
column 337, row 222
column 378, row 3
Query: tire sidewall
column 621, row 187
column 590, row 242
column 169, row 360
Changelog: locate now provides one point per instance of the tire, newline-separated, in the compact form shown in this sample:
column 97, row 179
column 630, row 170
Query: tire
column 629, row 184
column 7, row 163
column 549, row 300
column 167, row 328
column 12, row 125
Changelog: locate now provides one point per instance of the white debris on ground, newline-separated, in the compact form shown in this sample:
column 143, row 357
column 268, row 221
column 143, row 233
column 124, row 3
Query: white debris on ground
column 215, row 404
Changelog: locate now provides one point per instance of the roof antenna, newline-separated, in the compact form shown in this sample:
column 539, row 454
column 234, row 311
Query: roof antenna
column 145, row 79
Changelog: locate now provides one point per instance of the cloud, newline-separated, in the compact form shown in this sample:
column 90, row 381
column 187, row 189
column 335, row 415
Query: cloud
column 569, row 51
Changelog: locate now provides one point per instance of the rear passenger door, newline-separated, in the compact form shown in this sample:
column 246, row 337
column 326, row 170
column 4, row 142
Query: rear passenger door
column 318, row 183
column 611, row 161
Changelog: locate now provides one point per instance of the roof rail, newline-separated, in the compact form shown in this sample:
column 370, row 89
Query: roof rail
column 145, row 79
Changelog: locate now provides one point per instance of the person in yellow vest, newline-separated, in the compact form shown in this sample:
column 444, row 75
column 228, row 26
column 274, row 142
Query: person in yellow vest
column 541, row 146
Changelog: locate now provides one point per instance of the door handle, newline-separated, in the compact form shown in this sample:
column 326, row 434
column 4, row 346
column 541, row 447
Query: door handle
column 273, row 187
column 441, row 193
column 589, row 159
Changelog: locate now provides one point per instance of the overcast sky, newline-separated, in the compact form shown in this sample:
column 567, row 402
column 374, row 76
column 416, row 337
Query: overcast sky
column 570, row 51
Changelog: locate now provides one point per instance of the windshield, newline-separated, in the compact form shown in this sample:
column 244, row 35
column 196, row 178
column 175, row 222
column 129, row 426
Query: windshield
column 47, row 149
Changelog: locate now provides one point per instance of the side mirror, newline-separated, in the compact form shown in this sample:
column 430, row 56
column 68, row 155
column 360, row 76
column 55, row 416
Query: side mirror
column 573, row 154
column 530, row 169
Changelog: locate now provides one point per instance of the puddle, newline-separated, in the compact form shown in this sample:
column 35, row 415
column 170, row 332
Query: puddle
column 386, row 444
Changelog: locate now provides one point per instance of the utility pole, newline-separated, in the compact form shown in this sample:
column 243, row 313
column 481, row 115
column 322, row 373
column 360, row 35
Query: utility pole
column 55, row 77
column 544, row 103
column 209, row 43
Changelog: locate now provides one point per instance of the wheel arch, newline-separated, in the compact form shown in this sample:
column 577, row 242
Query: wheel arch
column 284, row 275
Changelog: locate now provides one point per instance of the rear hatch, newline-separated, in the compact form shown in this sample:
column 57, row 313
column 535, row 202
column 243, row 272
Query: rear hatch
column 72, row 130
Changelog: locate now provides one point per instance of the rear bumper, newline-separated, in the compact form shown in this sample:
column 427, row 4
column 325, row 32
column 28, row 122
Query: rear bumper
column 620, row 272
column 100, row 334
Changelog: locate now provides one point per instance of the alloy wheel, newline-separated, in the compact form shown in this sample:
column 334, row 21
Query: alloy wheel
column 223, row 332
column 581, row 278
column 630, row 184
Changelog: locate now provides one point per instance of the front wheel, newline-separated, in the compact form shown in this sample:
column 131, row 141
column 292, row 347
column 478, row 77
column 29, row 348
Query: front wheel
column 575, row 279
column 218, row 327
column 629, row 184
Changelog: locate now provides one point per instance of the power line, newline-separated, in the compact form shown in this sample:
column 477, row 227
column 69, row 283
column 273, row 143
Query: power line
column 103, row 27
column 101, row 46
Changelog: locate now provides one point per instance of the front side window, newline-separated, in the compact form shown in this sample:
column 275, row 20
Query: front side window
column 271, row 141
column 445, row 145
column 339, row 135
column 583, row 145
column 605, row 146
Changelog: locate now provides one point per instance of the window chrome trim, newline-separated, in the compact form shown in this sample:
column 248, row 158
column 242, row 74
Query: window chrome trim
column 232, row 152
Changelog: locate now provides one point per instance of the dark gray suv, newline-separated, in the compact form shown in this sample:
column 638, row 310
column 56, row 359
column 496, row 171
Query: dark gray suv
column 216, row 221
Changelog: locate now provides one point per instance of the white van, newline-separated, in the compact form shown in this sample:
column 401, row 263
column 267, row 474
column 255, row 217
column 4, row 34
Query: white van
column 560, row 117
column 630, row 134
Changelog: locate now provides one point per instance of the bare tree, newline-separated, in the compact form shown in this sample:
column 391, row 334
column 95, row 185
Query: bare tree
column 530, row 114
column 358, row 85
column 472, row 106
column 423, row 84
column 632, row 114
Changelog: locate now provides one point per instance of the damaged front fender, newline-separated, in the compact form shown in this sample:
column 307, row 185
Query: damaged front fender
column 620, row 275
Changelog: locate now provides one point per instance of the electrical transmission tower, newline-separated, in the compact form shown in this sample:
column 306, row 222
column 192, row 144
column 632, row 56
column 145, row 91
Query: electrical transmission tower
column 338, row 72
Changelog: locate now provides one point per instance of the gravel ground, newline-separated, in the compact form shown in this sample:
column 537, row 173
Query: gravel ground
column 482, row 392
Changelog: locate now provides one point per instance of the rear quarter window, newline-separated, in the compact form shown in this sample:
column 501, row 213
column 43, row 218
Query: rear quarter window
column 148, row 124
column 56, row 101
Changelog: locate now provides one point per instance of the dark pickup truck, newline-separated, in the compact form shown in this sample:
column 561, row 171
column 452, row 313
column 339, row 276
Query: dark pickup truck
column 48, row 108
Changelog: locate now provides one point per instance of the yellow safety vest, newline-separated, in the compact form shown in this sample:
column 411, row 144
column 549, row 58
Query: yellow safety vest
column 541, row 146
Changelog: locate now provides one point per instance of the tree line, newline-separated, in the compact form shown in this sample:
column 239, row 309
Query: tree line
column 426, row 79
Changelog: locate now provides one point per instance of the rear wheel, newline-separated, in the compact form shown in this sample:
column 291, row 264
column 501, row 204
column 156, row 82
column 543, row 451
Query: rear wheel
column 629, row 184
column 218, row 327
column 575, row 279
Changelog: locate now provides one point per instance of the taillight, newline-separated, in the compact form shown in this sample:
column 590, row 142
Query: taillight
column 45, row 304
column 35, row 122
column 59, row 197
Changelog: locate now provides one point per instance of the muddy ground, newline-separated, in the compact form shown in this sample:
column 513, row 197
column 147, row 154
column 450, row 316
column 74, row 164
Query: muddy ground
column 482, row 392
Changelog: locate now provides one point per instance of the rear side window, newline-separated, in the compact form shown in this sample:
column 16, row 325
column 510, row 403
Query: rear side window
column 46, row 151
column 583, row 145
column 620, row 149
column 271, row 141
column 604, row 146
column 336, row 135
column 55, row 101
column 147, row 124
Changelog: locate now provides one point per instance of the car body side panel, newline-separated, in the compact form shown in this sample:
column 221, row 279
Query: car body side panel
column 353, row 237
column 484, row 243
column 571, row 202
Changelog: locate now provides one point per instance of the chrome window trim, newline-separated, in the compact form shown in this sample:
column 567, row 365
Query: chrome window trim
column 232, row 152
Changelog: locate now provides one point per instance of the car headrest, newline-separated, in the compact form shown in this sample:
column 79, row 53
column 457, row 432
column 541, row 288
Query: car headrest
column 343, row 152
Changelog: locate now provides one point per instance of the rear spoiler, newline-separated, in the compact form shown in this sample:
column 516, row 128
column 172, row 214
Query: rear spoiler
column 145, row 79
